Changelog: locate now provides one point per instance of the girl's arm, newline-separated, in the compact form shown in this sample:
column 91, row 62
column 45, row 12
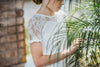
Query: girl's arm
column 40, row 60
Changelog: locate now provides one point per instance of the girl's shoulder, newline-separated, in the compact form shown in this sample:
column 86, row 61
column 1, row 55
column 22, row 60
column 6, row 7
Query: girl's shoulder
column 42, row 18
column 38, row 20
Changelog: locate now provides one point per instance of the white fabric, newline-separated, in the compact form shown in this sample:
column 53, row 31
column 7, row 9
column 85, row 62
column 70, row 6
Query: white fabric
column 51, row 32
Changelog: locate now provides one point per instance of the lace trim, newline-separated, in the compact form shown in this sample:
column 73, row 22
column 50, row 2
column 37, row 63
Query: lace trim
column 36, row 40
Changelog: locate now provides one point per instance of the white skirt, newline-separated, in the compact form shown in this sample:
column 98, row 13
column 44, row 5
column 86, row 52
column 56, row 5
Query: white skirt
column 30, row 63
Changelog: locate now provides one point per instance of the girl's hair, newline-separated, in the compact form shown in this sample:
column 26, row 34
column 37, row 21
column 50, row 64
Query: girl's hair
column 37, row 1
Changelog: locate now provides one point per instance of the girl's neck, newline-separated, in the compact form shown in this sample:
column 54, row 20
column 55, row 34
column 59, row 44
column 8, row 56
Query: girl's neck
column 45, row 10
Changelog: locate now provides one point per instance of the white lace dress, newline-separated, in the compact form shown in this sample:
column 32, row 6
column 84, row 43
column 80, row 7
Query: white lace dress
column 51, row 32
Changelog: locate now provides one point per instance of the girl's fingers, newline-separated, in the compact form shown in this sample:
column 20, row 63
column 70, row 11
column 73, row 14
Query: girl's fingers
column 79, row 41
column 85, row 41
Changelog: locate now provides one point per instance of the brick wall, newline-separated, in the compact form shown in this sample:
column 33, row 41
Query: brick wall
column 12, row 35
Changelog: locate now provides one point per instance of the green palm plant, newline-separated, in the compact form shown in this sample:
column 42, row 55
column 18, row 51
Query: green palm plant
column 87, row 26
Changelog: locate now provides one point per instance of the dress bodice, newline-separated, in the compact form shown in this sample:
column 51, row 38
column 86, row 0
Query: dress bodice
column 50, row 31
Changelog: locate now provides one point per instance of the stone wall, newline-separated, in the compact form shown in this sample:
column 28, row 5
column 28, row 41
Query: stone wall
column 12, row 33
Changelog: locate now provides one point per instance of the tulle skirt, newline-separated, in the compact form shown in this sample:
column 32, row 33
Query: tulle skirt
column 30, row 63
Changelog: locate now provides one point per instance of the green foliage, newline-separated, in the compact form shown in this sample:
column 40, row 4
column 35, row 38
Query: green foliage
column 27, row 46
column 87, row 26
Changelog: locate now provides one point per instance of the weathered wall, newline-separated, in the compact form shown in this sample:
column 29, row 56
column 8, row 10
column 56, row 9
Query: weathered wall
column 12, row 35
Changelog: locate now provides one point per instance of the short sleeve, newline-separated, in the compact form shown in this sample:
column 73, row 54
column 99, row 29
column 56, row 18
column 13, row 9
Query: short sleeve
column 34, row 30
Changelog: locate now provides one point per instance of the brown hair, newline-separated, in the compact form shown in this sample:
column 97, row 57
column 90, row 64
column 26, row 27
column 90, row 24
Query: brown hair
column 37, row 1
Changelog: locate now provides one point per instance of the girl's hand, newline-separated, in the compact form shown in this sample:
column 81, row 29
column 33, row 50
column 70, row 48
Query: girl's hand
column 75, row 45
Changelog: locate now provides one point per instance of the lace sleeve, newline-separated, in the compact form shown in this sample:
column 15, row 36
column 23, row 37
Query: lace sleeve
column 34, row 30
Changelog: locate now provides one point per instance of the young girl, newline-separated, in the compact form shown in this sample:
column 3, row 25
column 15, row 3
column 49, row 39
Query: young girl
column 43, row 37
